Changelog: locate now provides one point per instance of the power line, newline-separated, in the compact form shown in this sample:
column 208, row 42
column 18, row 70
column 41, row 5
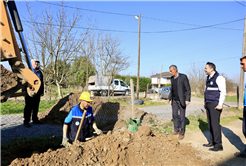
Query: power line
column 131, row 15
column 240, row 3
column 168, row 31
column 194, row 24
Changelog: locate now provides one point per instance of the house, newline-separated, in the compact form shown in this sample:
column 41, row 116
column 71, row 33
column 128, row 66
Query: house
column 165, row 79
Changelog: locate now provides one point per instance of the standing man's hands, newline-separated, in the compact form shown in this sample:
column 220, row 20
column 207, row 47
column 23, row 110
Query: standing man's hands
column 187, row 103
column 218, row 107
column 168, row 101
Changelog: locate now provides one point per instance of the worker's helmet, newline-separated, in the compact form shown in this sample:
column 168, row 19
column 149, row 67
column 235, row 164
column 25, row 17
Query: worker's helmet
column 85, row 96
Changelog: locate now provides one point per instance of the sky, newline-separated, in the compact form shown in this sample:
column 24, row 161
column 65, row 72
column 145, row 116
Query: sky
column 182, row 33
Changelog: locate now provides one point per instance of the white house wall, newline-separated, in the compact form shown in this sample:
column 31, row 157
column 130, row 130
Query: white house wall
column 155, row 80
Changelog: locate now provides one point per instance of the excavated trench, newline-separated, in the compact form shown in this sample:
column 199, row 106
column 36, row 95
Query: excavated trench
column 118, row 146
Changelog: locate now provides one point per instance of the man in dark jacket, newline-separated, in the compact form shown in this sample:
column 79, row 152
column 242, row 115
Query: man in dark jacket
column 180, row 96
column 32, row 103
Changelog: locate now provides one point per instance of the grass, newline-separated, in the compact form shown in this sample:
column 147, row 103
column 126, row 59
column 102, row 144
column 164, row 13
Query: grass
column 231, row 98
column 165, row 128
column 11, row 107
column 65, row 91
column 147, row 102
column 195, row 123
column 228, row 98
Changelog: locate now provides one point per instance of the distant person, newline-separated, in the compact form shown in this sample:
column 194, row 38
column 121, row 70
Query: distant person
column 180, row 96
column 242, row 154
column 214, row 96
column 32, row 103
column 72, row 121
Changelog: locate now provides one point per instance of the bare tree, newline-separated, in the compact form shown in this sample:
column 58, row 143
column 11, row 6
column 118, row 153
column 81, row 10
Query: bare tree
column 88, row 49
column 56, row 38
column 231, row 85
column 109, row 59
column 197, row 79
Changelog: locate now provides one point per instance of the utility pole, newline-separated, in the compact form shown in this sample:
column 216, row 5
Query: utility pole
column 139, row 28
column 241, row 83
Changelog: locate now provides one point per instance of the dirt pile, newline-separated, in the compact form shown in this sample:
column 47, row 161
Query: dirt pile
column 8, row 80
column 108, row 115
column 120, row 148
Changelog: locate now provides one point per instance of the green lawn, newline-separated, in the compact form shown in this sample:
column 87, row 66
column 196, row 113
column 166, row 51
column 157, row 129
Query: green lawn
column 231, row 98
column 228, row 98
column 11, row 107
column 195, row 123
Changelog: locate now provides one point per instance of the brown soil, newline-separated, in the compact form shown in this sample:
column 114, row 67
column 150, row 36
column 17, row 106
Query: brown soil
column 8, row 80
column 118, row 146
column 108, row 115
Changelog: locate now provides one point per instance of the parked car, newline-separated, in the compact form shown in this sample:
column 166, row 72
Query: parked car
column 150, row 91
column 156, row 90
column 165, row 92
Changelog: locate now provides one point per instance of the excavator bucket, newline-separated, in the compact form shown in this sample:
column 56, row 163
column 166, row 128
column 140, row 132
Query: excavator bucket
column 21, row 76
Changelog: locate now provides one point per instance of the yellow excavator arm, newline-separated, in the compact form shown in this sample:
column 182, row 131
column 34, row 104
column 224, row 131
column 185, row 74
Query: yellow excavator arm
column 21, row 76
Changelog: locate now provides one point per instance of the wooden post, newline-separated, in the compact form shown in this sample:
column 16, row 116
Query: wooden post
column 147, row 88
column 132, row 98
column 80, row 126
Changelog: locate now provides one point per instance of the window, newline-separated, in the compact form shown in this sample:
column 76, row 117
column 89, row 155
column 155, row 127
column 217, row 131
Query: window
column 122, row 83
column 116, row 82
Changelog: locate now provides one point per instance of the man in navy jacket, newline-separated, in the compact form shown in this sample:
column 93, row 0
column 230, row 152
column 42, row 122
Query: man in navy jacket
column 214, row 96
column 32, row 103
column 73, row 119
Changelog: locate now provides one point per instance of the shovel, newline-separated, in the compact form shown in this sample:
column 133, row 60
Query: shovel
column 80, row 126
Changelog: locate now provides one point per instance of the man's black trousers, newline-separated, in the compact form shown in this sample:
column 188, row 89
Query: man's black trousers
column 213, row 116
column 244, row 119
column 32, row 105
column 176, row 106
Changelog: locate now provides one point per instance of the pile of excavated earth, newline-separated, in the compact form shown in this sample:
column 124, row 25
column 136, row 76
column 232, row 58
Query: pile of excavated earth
column 117, row 146
column 8, row 80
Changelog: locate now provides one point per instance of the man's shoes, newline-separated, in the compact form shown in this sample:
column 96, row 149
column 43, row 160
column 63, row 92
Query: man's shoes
column 208, row 145
column 181, row 137
column 240, row 154
column 37, row 122
column 175, row 133
column 27, row 125
column 216, row 149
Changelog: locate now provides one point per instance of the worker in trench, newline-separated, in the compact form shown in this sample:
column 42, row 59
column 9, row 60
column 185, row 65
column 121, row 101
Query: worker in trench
column 73, row 119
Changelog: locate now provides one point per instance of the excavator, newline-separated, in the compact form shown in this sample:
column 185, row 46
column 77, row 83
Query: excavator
column 21, row 76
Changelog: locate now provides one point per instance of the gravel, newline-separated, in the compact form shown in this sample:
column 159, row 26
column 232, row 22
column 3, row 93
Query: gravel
column 165, row 111
column 12, row 128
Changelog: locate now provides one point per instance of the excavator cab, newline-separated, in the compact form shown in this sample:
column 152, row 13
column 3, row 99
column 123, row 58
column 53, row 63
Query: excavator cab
column 21, row 76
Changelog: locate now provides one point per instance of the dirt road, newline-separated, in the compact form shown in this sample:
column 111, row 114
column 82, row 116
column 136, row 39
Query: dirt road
column 232, row 139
